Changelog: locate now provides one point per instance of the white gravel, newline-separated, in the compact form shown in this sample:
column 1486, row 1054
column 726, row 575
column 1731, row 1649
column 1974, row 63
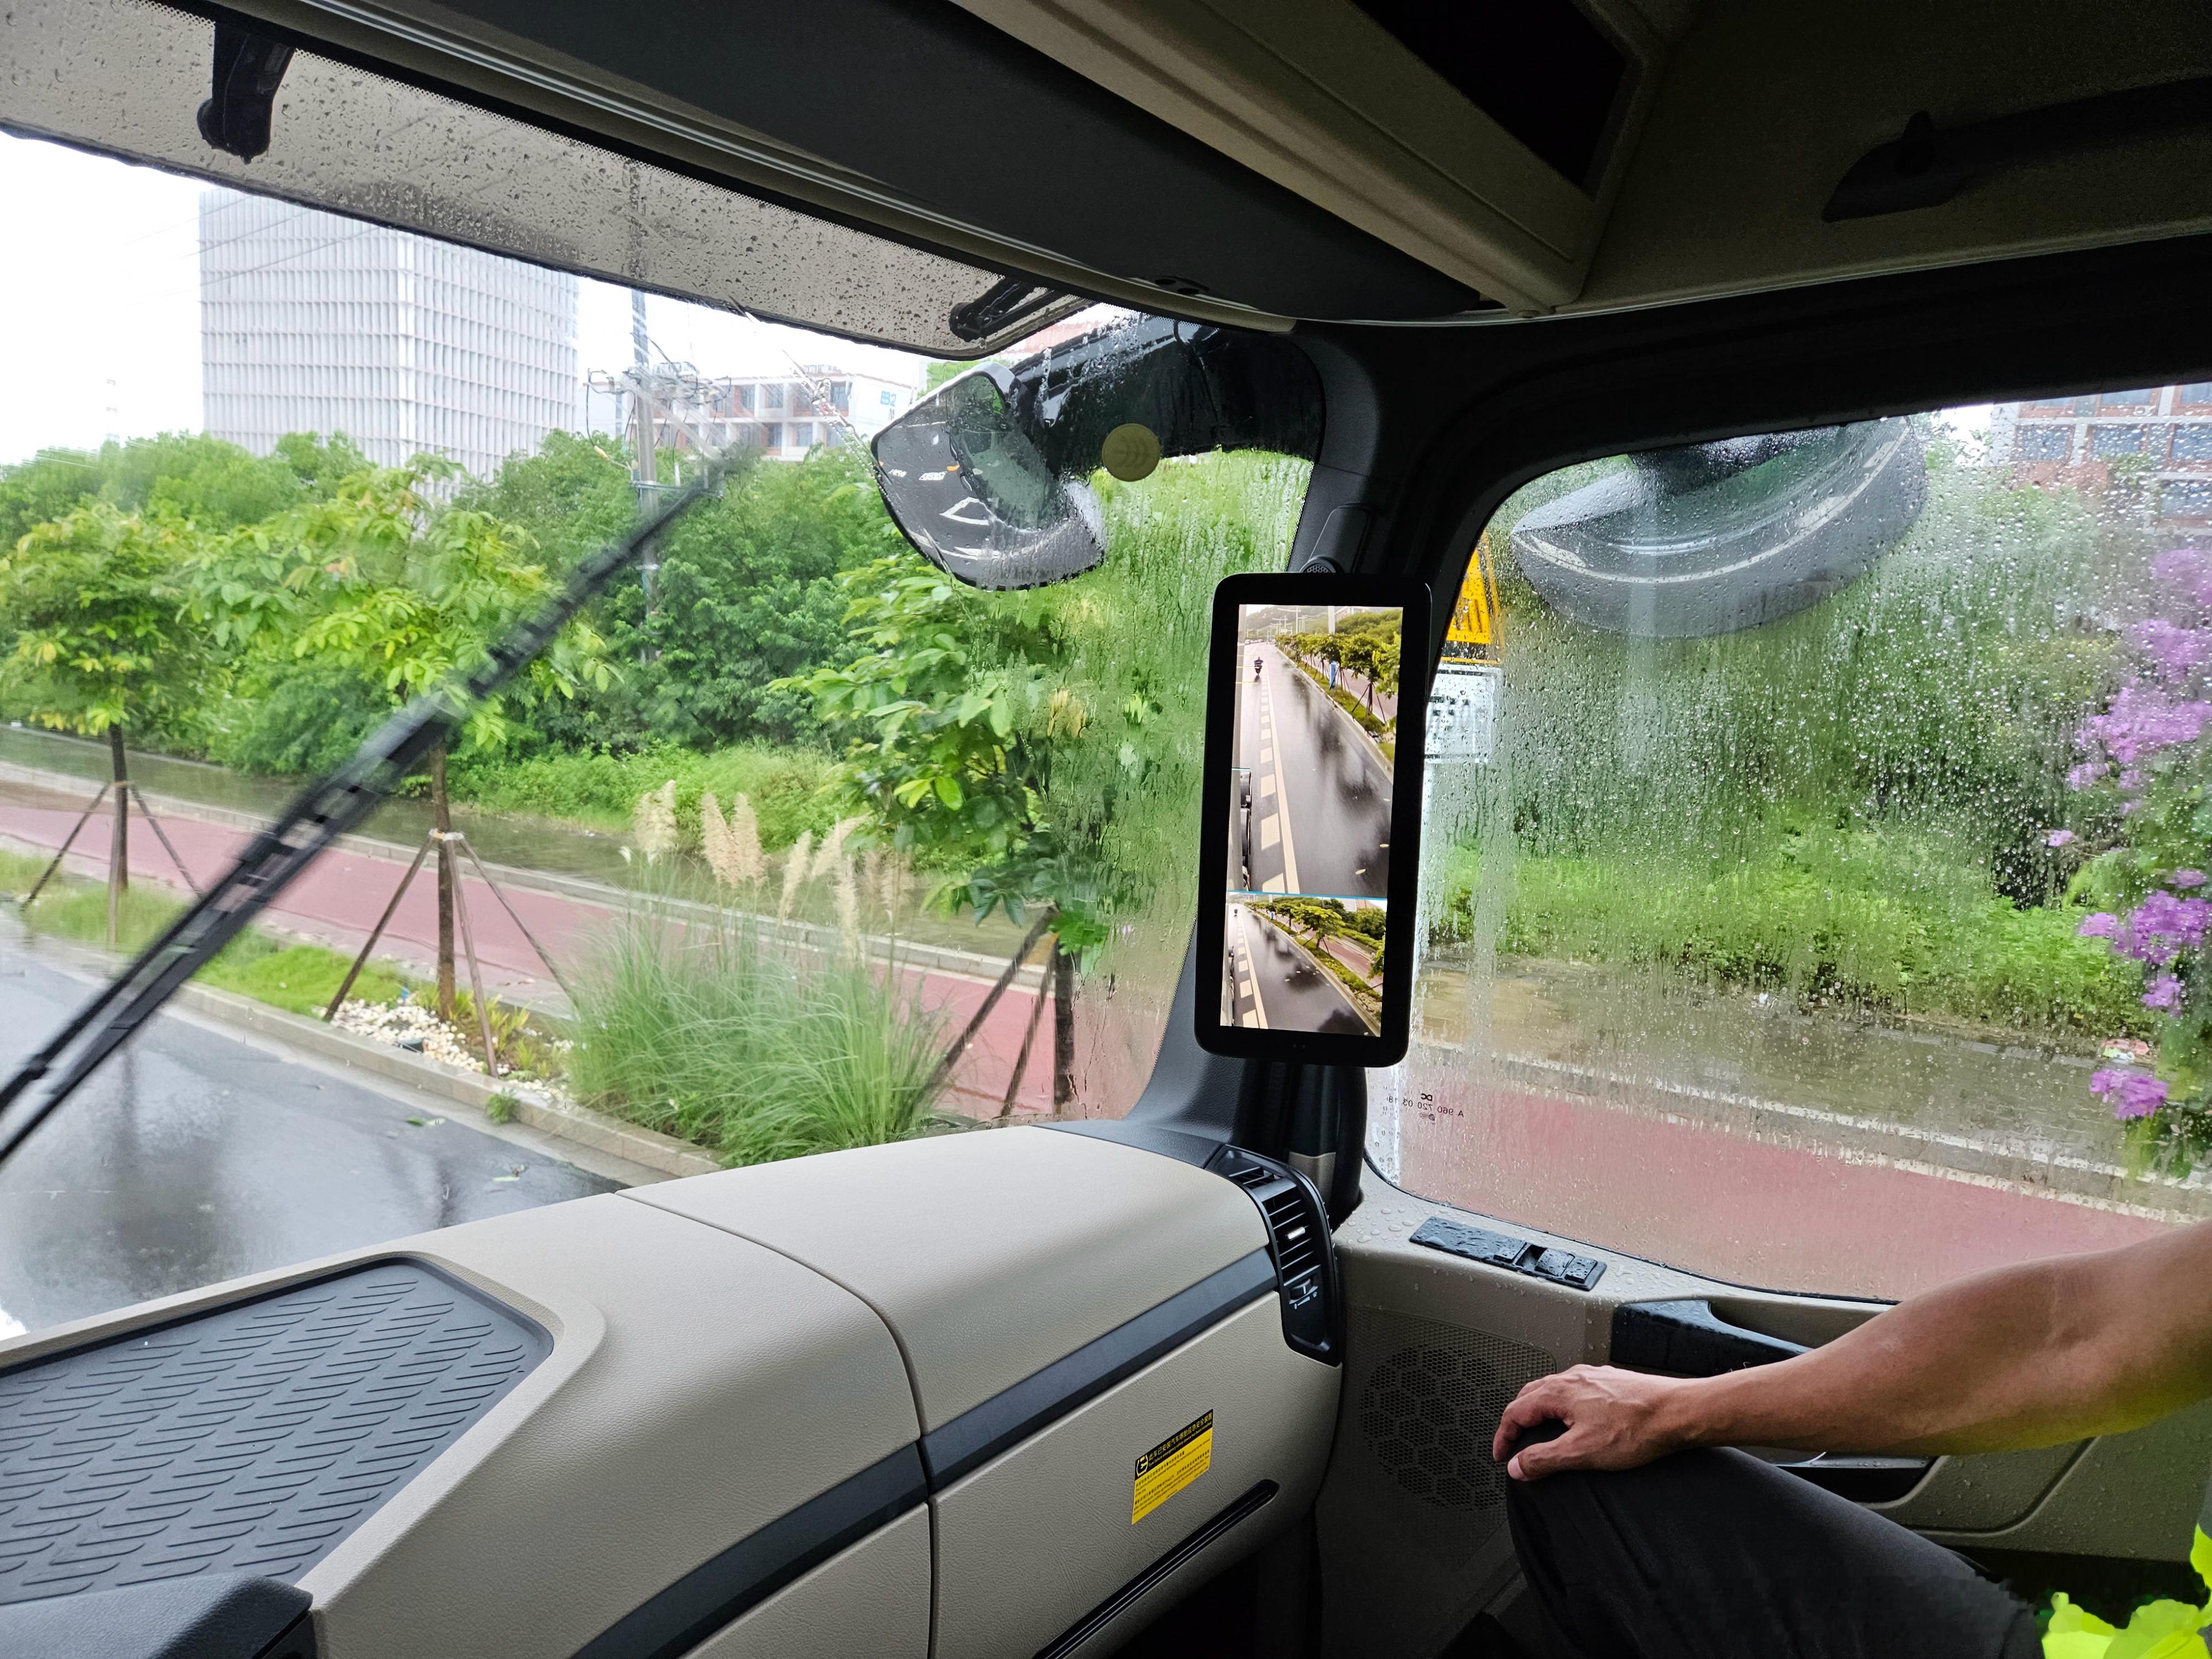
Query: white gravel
column 416, row 1027
column 412, row 1026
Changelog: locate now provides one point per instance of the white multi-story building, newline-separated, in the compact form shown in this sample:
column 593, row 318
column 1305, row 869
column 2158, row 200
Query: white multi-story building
column 784, row 416
column 2162, row 433
column 313, row 323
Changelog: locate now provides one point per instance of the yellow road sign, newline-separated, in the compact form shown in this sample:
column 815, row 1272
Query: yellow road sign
column 1472, row 636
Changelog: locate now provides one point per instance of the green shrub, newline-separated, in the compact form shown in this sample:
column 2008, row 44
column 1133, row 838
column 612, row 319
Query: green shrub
column 783, row 784
column 724, row 1038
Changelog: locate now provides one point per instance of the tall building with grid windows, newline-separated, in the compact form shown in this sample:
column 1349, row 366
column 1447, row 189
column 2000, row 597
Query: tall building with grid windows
column 2162, row 434
column 313, row 323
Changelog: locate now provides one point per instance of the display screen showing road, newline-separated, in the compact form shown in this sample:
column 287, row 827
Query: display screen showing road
column 1314, row 691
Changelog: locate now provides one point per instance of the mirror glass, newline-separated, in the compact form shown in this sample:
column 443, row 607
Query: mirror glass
column 970, row 489
column 1707, row 538
column 1316, row 695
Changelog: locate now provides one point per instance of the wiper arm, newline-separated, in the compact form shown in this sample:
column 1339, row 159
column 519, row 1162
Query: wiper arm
column 321, row 813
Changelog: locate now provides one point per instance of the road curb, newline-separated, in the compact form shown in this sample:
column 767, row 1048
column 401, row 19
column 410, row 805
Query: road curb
column 580, row 1125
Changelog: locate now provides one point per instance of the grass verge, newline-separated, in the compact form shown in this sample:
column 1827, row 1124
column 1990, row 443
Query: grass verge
column 710, row 1034
column 1872, row 915
column 1374, row 728
column 298, row 978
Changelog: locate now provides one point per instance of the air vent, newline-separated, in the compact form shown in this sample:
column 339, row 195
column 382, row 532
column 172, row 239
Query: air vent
column 1298, row 1252
column 1299, row 1240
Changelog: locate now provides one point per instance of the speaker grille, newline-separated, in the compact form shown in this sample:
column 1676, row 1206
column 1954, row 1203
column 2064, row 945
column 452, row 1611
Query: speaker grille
column 1432, row 1403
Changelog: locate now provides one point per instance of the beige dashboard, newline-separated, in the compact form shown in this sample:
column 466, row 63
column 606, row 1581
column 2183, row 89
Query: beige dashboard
column 898, row 1400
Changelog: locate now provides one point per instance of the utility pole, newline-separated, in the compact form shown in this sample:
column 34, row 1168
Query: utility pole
column 645, row 465
column 119, row 843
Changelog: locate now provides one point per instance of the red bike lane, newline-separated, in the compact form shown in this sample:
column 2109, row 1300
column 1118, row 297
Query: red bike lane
column 1700, row 1195
column 337, row 900
column 1719, row 1201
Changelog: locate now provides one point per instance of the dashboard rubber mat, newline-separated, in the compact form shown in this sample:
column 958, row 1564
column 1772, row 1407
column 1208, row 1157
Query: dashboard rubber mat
column 251, row 1437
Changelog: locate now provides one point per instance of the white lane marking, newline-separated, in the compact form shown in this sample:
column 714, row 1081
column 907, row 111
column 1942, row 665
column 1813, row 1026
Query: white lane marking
column 1282, row 802
column 1273, row 884
column 1271, row 832
column 1268, row 788
column 1259, row 1008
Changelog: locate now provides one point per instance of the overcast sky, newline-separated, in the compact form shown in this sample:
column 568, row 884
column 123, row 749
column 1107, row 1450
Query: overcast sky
column 99, row 309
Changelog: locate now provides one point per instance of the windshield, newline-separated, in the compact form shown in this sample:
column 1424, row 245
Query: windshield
column 787, row 842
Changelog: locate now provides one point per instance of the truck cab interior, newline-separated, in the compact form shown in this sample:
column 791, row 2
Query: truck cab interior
column 1212, row 1368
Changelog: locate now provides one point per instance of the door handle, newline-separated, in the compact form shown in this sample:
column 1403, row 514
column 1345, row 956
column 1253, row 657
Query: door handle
column 1691, row 1340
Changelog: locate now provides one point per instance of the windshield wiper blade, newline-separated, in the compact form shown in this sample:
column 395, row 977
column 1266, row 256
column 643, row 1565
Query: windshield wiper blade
column 319, row 815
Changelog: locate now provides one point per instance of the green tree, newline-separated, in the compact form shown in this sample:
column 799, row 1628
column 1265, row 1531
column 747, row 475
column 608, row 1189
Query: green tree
column 216, row 484
column 380, row 584
column 1371, row 653
column 573, row 497
column 44, row 488
column 949, row 755
column 749, row 599
column 93, row 601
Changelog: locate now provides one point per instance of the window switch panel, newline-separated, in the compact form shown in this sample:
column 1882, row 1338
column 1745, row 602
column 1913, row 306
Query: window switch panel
column 1518, row 1255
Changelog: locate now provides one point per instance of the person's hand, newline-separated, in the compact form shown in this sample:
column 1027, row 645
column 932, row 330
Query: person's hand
column 1614, row 1419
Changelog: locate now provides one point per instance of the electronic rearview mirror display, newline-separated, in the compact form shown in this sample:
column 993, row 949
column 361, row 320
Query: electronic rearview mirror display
column 1315, row 717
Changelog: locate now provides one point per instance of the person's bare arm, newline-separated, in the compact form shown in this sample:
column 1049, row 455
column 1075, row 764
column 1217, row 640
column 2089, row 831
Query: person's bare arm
column 2027, row 1356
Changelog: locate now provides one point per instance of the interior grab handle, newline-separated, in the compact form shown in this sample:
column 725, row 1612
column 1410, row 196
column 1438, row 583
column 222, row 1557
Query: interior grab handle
column 1688, row 1338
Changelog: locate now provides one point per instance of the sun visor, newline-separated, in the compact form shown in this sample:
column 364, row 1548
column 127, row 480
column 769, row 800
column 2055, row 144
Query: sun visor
column 129, row 80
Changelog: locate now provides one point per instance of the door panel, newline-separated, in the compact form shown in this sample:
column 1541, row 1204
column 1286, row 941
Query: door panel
column 1412, row 1513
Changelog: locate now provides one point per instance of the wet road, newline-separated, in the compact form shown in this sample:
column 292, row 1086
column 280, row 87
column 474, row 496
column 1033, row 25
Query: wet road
column 1278, row 985
column 194, row 1157
column 1321, row 793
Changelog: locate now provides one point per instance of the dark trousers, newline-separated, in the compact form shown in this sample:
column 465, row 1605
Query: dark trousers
column 1714, row 1555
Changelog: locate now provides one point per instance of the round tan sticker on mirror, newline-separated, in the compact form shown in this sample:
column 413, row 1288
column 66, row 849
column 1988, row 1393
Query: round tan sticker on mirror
column 1131, row 452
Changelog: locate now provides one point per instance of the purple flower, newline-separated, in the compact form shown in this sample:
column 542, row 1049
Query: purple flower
column 2173, row 649
column 2058, row 838
column 2131, row 1094
column 2182, row 568
column 2177, row 567
column 2165, row 992
column 2185, row 879
column 2142, row 721
column 2163, row 917
column 2103, row 924
column 2085, row 773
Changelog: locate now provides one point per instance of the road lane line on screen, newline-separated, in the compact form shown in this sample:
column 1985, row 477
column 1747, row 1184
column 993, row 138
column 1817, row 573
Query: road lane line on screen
column 1282, row 788
column 1252, row 965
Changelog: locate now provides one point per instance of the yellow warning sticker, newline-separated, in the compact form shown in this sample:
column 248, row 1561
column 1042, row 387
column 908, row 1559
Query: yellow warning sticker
column 1172, row 1465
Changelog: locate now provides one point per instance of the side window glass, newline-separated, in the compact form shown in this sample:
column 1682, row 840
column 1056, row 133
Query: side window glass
column 1814, row 871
